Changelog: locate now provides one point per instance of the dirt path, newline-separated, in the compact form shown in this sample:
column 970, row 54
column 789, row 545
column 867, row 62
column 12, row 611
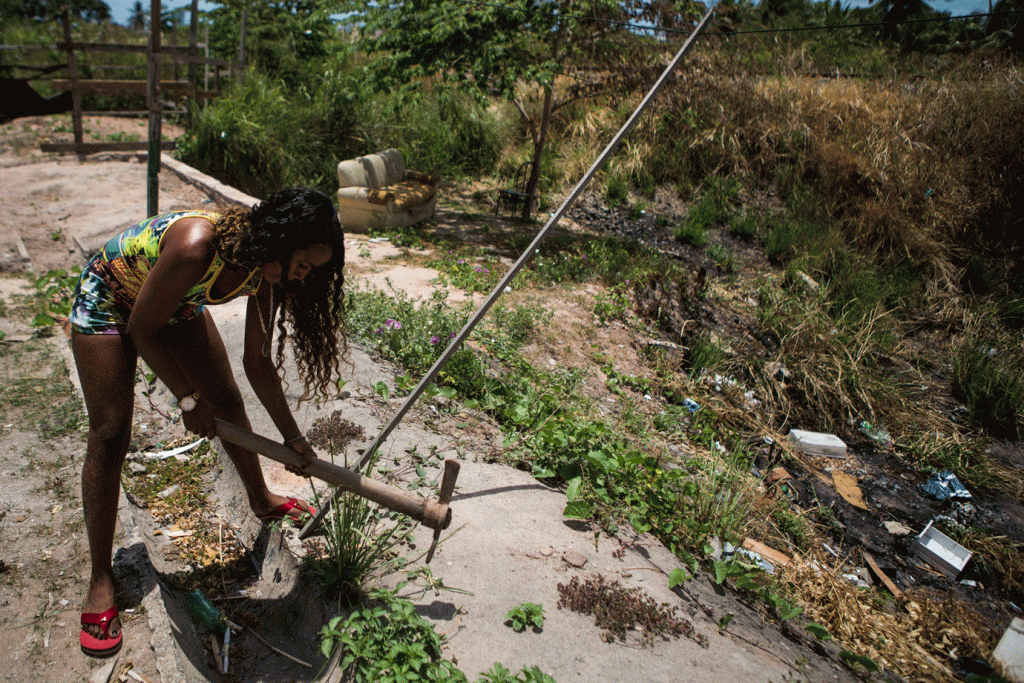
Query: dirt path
column 512, row 544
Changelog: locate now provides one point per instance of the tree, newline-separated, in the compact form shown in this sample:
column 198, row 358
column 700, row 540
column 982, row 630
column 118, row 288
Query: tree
column 49, row 10
column 515, row 50
column 137, row 21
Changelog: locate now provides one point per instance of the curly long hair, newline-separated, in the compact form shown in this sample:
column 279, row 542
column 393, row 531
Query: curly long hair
column 314, row 308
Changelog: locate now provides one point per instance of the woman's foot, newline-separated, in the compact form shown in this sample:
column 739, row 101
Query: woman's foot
column 286, row 508
column 101, row 634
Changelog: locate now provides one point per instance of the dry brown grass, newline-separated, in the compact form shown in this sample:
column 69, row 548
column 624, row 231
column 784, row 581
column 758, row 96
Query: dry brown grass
column 917, row 637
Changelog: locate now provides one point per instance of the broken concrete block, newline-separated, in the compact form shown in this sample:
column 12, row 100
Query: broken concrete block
column 1010, row 651
column 815, row 443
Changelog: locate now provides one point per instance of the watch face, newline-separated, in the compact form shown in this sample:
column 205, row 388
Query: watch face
column 186, row 404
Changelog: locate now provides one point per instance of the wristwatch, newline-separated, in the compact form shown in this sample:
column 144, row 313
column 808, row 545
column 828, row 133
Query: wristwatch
column 188, row 403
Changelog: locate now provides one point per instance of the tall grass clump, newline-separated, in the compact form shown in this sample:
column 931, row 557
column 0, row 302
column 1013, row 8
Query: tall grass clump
column 262, row 135
column 988, row 377
column 438, row 131
column 360, row 538
column 259, row 138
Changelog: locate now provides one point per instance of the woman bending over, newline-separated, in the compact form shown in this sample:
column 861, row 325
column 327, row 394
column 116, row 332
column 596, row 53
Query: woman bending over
column 145, row 294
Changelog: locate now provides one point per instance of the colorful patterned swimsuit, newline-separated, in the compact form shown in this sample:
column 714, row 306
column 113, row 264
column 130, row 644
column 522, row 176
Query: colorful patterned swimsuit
column 111, row 282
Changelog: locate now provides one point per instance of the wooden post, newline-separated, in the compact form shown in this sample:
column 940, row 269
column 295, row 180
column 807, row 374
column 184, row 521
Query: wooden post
column 193, row 40
column 241, row 39
column 153, row 96
column 76, row 95
column 206, row 65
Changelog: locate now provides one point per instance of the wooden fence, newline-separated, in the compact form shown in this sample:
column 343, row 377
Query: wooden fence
column 195, row 88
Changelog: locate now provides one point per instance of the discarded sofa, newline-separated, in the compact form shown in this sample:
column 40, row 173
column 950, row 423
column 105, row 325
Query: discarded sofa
column 376, row 192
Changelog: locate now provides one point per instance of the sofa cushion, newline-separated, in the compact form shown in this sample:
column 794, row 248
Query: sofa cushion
column 381, row 197
column 410, row 193
column 373, row 170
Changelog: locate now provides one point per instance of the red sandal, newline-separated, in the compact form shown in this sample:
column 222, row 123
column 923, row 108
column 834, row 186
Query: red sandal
column 108, row 645
column 281, row 511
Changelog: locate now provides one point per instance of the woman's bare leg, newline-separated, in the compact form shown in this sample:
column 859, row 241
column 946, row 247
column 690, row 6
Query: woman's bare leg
column 106, row 368
column 202, row 357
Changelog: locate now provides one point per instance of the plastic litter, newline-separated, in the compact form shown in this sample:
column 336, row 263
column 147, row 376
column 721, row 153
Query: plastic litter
column 691, row 405
column 877, row 434
column 945, row 486
column 207, row 617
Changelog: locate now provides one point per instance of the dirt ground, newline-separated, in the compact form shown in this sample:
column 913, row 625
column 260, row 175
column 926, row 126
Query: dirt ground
column 511, row 543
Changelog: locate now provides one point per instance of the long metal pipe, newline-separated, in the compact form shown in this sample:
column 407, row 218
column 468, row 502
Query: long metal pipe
column 518, row 265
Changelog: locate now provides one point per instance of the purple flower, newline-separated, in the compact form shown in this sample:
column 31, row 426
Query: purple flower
column 434, row 339
column 462, row 261
column 479, row 269
column 451, row 336
column 380, row 330
column 393, row 324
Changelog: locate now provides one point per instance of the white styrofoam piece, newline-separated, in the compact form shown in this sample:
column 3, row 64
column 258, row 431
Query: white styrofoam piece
column 815, row 443
column 941, row 551
column 1010, row 651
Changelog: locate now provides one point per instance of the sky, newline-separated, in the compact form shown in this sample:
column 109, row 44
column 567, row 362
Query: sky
column 121, row 10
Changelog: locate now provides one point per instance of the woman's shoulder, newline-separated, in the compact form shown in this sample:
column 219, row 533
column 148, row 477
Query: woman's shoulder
column 190, row 233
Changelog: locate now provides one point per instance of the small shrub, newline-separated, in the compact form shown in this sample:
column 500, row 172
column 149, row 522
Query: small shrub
column 704, row 355
column 692, row 232
column 528, row 614
column 389, row 639
column 616, row 190
column 745, row 226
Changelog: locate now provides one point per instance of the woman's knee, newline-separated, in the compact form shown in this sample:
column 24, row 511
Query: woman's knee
column 110, row 434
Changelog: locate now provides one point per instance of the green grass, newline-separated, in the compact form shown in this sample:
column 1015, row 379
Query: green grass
column 988, row 377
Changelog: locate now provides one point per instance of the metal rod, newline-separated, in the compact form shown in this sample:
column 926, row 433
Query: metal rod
column 153, row 97
column 518, row 265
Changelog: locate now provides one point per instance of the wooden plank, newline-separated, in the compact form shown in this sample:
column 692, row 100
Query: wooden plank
column 128, row 47
column 92, row 147
column 124, row 86
column 896, row 593
column 768, row 553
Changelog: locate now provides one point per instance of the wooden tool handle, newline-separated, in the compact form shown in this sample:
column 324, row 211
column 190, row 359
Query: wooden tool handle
column 371, row 489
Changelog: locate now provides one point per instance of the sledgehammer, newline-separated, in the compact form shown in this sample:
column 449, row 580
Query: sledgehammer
column 432, row 513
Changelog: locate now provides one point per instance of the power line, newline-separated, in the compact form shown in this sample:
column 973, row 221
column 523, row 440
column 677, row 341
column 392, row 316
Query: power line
column 642, row 27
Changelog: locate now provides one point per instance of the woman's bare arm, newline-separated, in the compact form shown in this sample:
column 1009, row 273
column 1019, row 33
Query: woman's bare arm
column 186, row 254
column 262, row 373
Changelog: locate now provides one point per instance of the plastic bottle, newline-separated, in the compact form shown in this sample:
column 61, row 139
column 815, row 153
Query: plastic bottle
column 206, row 617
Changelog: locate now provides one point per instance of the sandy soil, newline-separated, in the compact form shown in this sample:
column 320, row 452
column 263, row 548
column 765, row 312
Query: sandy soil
column 511, row 545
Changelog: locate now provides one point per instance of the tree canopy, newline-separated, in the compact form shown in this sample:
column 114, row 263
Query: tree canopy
column 47, row 10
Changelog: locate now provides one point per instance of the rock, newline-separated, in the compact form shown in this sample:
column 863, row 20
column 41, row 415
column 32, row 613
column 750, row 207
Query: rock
column 574, row 559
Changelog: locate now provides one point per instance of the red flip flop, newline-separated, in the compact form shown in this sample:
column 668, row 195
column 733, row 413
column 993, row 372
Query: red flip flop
column 108, row 645
column 281, row 511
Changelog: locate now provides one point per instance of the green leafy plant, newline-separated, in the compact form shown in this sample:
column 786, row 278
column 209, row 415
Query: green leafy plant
column 388, row 641
column 818, row 631
column 56, row 289
column 528, row 614
column 855, row 660
column 616, row 189
column 499, row 674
